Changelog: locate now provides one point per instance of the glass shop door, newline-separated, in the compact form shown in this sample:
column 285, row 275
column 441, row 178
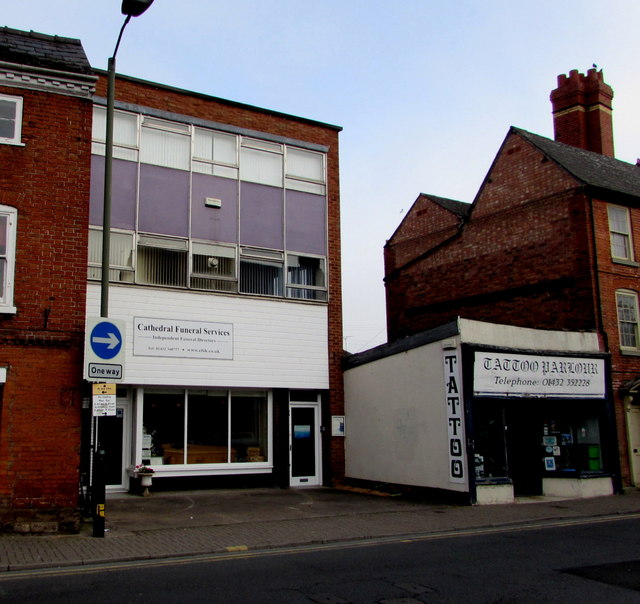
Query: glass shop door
column 304, row 444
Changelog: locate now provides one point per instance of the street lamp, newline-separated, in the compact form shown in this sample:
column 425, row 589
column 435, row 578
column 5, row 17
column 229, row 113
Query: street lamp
column 130, row 8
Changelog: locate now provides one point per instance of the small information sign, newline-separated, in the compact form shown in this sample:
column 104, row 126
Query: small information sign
column 104, row 400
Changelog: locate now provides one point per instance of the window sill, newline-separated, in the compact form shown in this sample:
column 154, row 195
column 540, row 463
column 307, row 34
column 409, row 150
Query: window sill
column 12, row 143
column 8, row 310
column 629, row 352
column 625, row 262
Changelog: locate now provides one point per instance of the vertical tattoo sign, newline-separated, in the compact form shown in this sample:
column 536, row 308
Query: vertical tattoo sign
column 455, row 415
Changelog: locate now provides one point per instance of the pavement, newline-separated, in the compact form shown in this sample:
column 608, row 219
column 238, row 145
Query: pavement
column 199, row 523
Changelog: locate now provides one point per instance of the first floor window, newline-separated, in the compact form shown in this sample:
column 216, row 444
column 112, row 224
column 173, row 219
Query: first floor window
column 620, row 233
column 205, row 427
column 261, row 272
column 213, row 267
column 8, row 218
column 162, row 261
column 10, row 119
column 120, row 252
column 627, row 302
column 201, row 265
column 306, row 277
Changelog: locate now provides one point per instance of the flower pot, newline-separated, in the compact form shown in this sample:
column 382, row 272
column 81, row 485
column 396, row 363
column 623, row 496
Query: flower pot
column 145, row 482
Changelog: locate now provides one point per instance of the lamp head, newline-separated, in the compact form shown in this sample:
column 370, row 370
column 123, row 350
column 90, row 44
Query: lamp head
column 134, row 8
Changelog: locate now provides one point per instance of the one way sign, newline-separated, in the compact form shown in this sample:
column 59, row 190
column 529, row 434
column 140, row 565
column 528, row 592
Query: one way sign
column 104, row 350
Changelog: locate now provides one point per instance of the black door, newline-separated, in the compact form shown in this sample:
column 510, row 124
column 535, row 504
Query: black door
column 524, row 440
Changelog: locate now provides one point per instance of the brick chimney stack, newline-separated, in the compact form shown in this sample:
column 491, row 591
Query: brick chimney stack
column 582, row 111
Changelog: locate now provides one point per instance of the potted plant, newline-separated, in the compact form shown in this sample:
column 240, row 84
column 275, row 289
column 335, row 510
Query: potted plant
column 145, row 472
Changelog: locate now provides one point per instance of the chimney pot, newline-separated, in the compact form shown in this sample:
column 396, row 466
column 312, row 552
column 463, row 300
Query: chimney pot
column 582, row 111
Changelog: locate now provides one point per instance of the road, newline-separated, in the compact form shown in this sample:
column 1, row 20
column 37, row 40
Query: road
column 585, row 562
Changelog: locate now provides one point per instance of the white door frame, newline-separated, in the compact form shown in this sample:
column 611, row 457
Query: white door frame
column 306, row 481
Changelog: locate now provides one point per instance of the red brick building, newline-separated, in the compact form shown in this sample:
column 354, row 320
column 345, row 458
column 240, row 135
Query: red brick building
column 550, row 242
column 46, row 85
column 225, row 226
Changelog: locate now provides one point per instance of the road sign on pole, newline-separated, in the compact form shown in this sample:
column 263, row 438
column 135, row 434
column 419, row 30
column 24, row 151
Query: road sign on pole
column 104, row 350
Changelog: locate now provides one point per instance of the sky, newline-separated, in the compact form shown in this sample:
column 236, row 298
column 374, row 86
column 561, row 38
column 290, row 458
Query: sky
column 424, row 90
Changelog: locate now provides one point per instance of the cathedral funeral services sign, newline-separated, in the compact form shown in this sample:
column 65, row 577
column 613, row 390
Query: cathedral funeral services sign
column 522, row 375
column 182, row 339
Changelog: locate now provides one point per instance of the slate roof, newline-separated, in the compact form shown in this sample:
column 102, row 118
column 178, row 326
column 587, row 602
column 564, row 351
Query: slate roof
column 593, row 169
column 41, row 50
column 459, row 208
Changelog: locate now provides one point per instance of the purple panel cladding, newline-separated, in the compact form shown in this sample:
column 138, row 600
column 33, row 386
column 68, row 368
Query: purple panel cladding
column 261, row 216
column 164, row 201
column 123, row 193
column 306, row 223
column 214, row 224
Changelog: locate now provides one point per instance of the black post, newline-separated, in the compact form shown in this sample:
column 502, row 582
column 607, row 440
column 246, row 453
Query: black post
column 98, row 492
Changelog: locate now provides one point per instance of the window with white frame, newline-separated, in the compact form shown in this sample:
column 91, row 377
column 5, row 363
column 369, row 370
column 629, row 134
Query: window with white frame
column 261, row 162
column 164, row 143
column 306, row 277
column 305, row 170
column 176, row 262
column 215, row 153
column 125, row 133
column 627, row 303
column 620, row 233
column 121, row 258
column 10, row 119
column 162, row 261
column 8, row 217
column 205, row 427
column 213, row 267
column 261, row 271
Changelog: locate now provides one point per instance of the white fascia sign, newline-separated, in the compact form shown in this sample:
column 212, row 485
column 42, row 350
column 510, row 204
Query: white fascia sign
column 537, row 376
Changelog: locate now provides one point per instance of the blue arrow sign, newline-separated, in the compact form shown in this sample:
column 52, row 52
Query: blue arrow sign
column 105, row 340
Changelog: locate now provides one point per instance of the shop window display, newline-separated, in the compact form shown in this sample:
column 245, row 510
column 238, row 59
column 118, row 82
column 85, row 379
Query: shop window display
column 565, row 436
column 571, row 445
column 204, row 427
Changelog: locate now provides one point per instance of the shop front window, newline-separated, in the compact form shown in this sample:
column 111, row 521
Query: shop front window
column 571, row 444
column 163, row 426
column 208, row 428
column 204, row 427
column 249, row 426
column 490, row 448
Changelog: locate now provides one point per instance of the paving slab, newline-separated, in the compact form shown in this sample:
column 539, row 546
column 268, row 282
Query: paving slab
column 190, row 523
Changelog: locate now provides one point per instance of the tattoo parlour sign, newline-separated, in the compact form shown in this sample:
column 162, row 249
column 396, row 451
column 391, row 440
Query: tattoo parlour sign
column 521, row 375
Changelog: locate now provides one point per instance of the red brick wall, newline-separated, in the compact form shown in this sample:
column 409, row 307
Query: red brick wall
column 612, row 277
column 47, row 180
column 230, row 113
column 519, row 259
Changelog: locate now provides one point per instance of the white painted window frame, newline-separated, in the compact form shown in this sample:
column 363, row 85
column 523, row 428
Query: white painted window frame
column 9, row 260
column 16, row 139
column 633, row 296
column 624, row 233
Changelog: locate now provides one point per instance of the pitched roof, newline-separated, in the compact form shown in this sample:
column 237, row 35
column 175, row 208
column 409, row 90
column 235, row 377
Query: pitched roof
column 593, row 169
column 41, row 50
column 459, row 208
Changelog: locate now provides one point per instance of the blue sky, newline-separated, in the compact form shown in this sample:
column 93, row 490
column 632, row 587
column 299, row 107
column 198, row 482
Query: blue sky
column 425, row 90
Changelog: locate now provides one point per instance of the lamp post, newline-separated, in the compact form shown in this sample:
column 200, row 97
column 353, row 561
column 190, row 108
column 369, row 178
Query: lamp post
column 130, row 8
